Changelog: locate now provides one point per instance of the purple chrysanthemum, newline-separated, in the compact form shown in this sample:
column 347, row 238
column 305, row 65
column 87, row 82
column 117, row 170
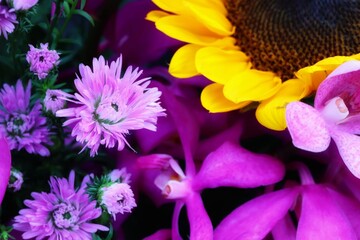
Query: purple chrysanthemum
column 111, row 105
column 42, row 60
column 120, row 175
column 54, row 100
column 118, row 198
column 7, row 20
column 64, row 213
column 16, row 180
column 23, row 126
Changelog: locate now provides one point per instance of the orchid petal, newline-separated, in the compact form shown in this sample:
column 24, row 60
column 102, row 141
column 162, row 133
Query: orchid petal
column 284, row 229
column 175, row 235
column 307, row 128
column 5, row 166
column 162, row 234
column 219, row 168
column 256, row 218
column 348, row 146
column 200, row 224
column 321, row 217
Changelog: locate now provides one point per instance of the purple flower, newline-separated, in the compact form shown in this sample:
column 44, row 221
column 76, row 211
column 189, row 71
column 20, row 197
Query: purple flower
column 118, row 198
column 23, row 126
column 64, row 213
column 335, row 115
column 16, row 180
column 120, row 175
column 217, row 170
column 5, row 165
column 42, row 60
column 24, row 4
column 110, row 105
column 55, row 100
column 7, row 21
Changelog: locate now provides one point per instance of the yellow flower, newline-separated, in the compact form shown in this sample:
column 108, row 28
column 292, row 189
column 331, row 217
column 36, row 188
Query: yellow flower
column 250, row 49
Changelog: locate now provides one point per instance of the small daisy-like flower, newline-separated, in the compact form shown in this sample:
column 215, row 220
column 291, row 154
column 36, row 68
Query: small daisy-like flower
column 109, row 105
column 22, row 125
column 54, row 100
column 64, row 213
column 118, row 198
column 120, row 175
column 7, row 21
column 16, row 180
column 42, row 60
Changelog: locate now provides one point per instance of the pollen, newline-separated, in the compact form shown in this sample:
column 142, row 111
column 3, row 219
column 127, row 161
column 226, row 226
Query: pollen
column 283, row 36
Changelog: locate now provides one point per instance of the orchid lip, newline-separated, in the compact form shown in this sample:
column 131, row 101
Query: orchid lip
column 335, row 110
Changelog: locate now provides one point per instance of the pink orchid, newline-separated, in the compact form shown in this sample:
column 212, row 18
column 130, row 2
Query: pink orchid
column 334, row 116
column 229, row 165
column 5, row 165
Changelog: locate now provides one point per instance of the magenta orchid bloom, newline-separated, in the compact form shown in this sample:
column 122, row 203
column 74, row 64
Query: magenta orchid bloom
column 229, row 165
column 334, row 115
column 5, row 166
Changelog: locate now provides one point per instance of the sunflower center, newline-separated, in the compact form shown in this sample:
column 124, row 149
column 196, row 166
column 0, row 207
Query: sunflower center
column 283, row 36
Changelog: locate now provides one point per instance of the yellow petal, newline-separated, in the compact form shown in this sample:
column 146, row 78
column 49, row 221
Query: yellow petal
column 220, row 65
column 316, row 73
column 156, row 15
column 212, row 99
column 182, row 64
column 186, row 29
column 211, row 17
column 251, row 85
column 173, row 6
column 271, row 112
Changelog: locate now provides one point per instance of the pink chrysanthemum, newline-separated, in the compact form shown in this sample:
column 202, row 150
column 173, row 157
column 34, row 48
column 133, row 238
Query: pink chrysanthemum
column 64, row 213
column 120, row 175
column 111, row 105
column 24, row 4
column 7, row 20
column 42, row 60
column 118, row 198
column 23, row 126
column 54, row 100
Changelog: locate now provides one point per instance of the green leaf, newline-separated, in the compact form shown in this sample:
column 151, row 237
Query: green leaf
column 85, row 15
column 66, row 8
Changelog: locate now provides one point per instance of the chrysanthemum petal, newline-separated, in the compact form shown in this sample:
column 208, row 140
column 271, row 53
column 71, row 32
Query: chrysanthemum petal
column 182, row 64
column 212, row 99
column 271, row 112
column 257, row 170
column 251, row 85
column 220, row 65
column 348, row 146
column 321, row 217
column 307, row 128
column 213, row 19
column 256, row 218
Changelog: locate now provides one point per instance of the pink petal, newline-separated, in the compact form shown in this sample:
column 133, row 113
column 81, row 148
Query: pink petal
column 321, row 217
column 348, row 146
column 256, row 218
column 200, row 223
column 162, row 234
column 5, row 165
column 175, row 235
column 307, row 128
column 284, row 229
column 233, row 166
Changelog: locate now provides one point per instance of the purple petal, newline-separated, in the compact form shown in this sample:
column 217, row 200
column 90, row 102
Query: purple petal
column 162, row 234
column 284, row 229
column 5, row 165
column 200, row 224
column 233, row 166
column 342, row 79
column 307, row 128
column 175, row 235
column 348, row 146
column 321, row 217
column 256, row 218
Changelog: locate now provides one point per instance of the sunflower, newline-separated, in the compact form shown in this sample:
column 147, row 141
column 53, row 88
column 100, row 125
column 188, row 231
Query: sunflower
column 261, row 52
